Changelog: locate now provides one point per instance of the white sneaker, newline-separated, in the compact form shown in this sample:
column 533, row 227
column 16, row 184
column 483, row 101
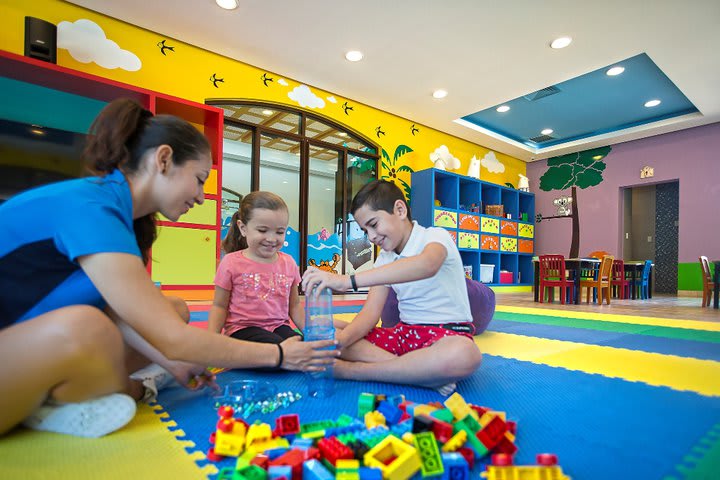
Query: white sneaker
column 154, row 378
column 92, row 418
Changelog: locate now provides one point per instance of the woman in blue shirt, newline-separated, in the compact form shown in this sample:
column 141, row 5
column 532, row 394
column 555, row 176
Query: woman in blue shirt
column 74, row 291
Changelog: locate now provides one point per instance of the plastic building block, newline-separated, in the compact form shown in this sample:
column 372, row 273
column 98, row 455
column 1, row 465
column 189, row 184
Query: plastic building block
column 314, row 470
column 258, row 447
column 366, row 403
column 396, row 459
column 214, row 457
column 368, row 473
column 396, row 400
column 422, row 423
column 505, row 446
column 443, row 431
column 316, row 426
column 492, row 433
column 253, row 472
column 302, row 443
column 443, row 414
column 459, row 408
column 294, row 458
column 358, row 448
column 423, row 410
column 332, row 450
column 258, row 433
column 244, row 460
column 229, row 443
column 468, row 455
column 456, row 442
column 344, row 420
column 502, row 468
column 229, row 473
column 374, row 418
column 427, row 448
column 261, row 461
column 391, row 413
column 456, row 468
column 273, row 453
column 279, row 471
column 287, row 424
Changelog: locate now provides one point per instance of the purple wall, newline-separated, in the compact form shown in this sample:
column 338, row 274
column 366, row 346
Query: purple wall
column 690, row 156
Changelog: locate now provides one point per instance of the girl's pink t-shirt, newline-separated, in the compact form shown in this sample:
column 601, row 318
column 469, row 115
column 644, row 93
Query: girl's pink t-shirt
column 259, row 292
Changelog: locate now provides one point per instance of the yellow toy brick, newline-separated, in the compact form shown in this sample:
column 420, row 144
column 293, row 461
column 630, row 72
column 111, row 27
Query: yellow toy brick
column 455, row 442
column 408, row 437
column 258, row 433
column 374, row 419
column 345, row 464
column 229, row 444
column 404, row 460
column 259, row 447
column 459, row 408
column 423, row 410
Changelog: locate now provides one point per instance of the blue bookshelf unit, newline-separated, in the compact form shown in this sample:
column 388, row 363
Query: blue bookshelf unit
column 459, row 204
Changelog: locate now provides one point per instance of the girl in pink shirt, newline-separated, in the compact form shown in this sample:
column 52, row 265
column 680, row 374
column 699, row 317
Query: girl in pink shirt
column 256, row 292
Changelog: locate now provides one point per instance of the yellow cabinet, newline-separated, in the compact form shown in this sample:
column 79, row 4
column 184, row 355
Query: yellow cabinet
column 204, row 214
column 184, row 256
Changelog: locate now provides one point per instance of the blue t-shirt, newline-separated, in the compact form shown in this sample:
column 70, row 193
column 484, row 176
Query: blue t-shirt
column 42, row 233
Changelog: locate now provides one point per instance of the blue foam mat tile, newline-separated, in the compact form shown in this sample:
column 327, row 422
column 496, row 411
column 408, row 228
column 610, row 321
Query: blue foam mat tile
column 630, row 341
column 599, row 427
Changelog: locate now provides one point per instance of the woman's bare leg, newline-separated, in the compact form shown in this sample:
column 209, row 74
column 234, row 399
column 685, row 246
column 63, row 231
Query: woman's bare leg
column 70, row 355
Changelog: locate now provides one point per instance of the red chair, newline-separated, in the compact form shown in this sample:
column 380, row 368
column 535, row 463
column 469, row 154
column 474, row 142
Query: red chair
column 620, row 282
column 553, row 274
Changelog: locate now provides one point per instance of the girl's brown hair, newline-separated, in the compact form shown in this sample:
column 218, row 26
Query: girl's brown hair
column 234, row 240
column 121, row 135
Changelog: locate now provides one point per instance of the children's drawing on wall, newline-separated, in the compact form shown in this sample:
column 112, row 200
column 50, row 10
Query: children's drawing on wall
column 324, row 250
column 165, row 47
column 265, row 78
column 491, row 163
column 86, row 42
column 474, row 168
column 215, row 80
column 442, row 159
column 305, row 97
column 583, row 170
column 391, row 169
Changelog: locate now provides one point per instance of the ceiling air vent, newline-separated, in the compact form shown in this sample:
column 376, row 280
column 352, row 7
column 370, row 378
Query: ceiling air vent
column 542, row 138
column 545, row 92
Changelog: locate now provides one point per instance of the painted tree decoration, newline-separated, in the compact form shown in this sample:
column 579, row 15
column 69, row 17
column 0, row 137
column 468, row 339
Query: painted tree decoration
column 389, row 167
column 581, row 169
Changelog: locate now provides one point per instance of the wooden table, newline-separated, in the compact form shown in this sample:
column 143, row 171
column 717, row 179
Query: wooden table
column 716, row 279
column 573, row 265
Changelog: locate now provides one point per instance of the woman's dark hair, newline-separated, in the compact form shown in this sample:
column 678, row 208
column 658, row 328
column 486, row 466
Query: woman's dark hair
column 121, row 135
column 234, row 240
column 379, row 195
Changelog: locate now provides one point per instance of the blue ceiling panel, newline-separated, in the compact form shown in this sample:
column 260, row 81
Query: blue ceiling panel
column 589, row 105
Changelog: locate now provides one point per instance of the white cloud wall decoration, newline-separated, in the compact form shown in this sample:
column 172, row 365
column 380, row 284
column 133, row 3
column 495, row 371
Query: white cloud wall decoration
column 305, row 97
column 86, row 42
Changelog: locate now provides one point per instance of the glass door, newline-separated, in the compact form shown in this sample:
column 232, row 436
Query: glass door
column 324, row 213
column 359, row 252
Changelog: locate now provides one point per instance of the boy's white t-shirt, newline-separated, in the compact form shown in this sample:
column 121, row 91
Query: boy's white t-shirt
column 442, row 298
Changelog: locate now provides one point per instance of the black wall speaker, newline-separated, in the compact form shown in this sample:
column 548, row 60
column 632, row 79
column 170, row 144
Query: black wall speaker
column 40, row 39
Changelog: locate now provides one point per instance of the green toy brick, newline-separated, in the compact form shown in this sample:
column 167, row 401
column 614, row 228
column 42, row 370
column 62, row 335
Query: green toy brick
column 253, row 472
column 344, row 420
column 443, row 414
column 430, row 459
column 366, row 404
column 316, row 426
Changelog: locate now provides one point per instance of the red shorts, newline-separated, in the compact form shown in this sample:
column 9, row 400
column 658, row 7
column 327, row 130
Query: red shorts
column 404, row 338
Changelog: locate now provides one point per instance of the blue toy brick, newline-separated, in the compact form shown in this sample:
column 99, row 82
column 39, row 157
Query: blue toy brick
column 315, row 470
column 367, row 473
column 391, row 413
column 273, row 453
column 456, row 468
column 401, row 429
column 396, row 400
column 302, row 443
column 277, row 471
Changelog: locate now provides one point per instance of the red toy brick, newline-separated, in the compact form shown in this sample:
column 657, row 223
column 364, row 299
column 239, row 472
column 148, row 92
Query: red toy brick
column 332, row 450
column 213, row 457
column 287, row 424
column 546, row 459
column 468, row 455
column 226, row 412
column 502, row 460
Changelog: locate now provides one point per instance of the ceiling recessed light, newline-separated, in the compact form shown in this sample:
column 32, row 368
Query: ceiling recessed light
column 227, row 4
column 652, row 103
column 342, row 134
column 502, row 108
column 547, row 131
column 440, row 93
column 267, row 112
column 561, row 42
column 354, row 55
column 615, row 71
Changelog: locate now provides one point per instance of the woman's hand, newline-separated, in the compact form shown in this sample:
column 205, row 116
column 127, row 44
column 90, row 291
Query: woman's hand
column 314, row 277
column 191, row 376
column 308, row 356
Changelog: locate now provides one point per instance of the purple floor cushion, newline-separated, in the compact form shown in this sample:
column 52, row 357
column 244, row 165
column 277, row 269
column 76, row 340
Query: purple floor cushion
column 482, row 306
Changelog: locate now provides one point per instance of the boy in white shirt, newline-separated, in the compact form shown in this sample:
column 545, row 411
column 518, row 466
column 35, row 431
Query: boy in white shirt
column 432, row 345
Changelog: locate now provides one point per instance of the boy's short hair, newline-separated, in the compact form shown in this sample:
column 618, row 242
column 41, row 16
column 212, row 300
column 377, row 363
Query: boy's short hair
column 379, row 195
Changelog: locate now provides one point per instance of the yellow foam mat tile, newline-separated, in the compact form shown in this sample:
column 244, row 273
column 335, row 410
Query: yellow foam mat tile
column 679, row 373
column 610, row 317
column 145, row 448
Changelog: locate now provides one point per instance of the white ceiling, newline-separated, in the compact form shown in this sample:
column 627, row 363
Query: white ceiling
column 482, row 52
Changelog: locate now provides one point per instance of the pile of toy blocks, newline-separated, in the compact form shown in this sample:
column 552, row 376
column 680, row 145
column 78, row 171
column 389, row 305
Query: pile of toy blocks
column 395, row 440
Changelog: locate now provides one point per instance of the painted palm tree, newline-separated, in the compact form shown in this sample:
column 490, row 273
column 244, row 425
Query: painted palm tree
column 391, row 170
column 581, row 169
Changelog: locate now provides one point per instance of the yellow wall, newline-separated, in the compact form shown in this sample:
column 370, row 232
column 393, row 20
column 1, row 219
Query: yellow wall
column 186, row 73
